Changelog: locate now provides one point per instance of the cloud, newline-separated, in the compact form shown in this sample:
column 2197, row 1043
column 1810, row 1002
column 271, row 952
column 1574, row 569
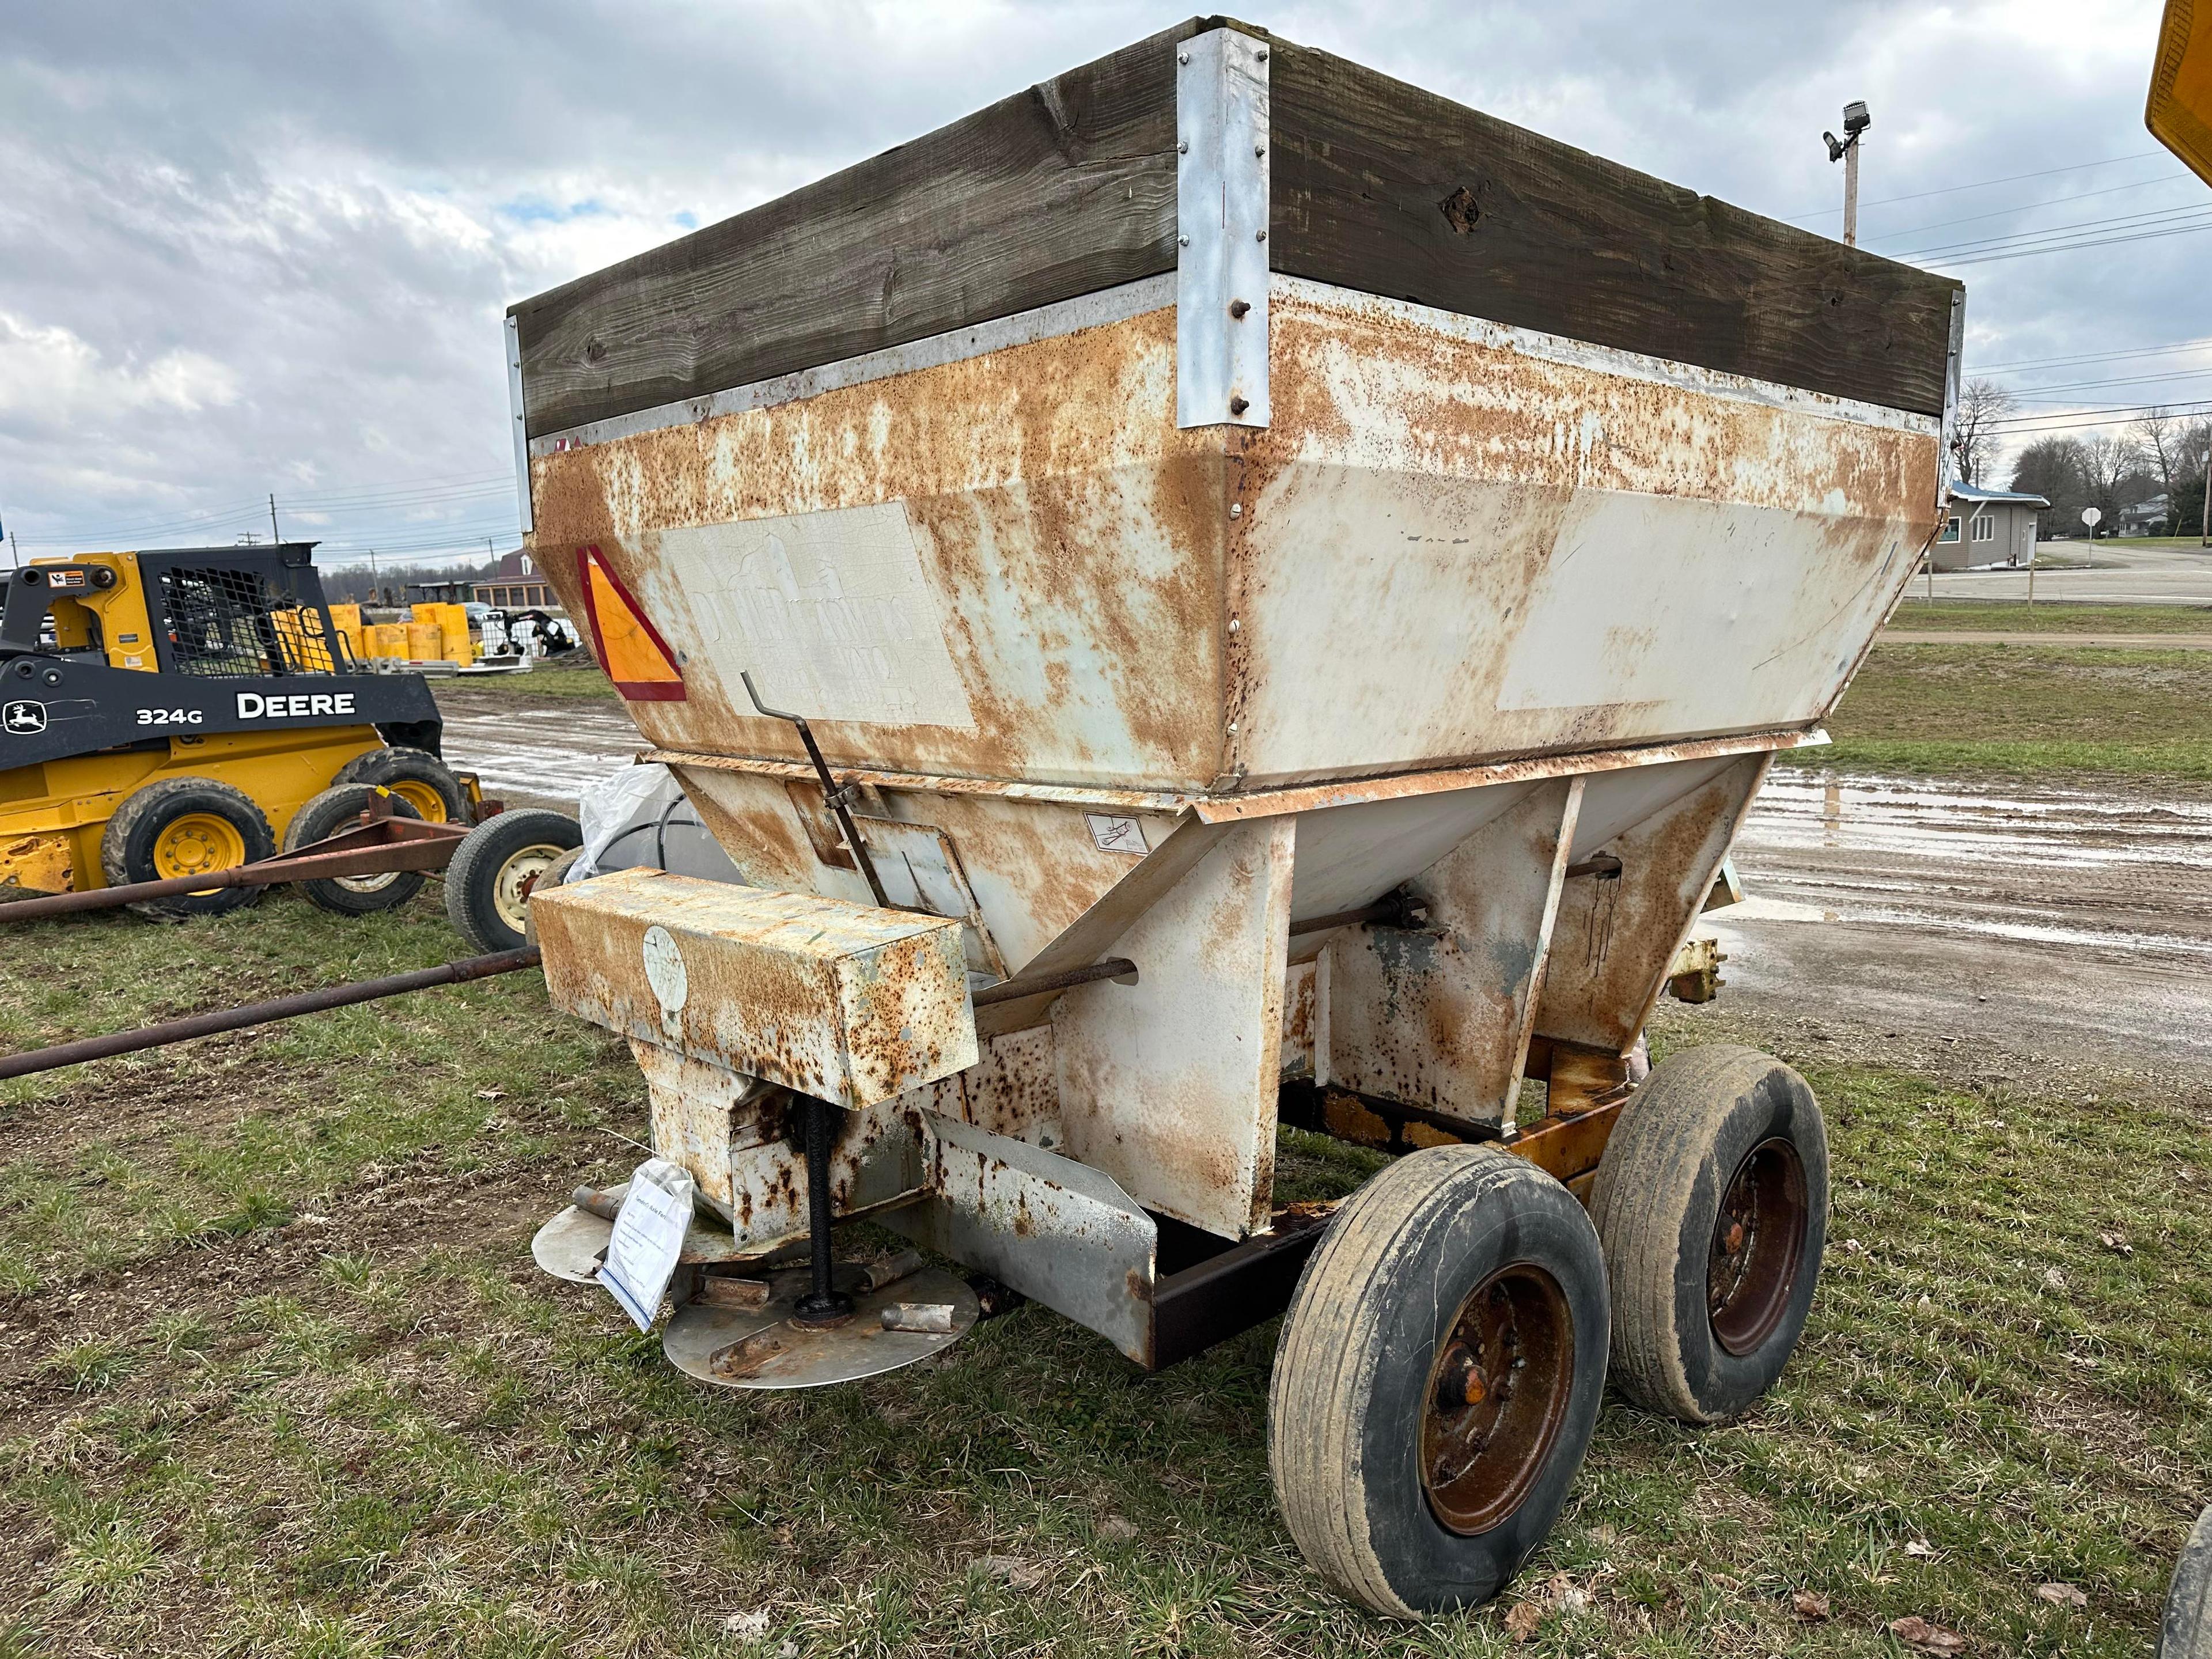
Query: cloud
column 266, row 248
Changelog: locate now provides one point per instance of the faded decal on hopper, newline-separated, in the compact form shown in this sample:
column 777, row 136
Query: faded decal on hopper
column 1688, row 605
column 829, row 611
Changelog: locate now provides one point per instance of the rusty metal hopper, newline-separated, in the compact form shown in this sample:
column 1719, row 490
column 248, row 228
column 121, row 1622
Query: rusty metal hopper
column 1173, row 616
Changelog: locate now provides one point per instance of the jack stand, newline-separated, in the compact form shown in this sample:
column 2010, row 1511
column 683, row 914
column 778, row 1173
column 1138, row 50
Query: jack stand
column 824, row 1304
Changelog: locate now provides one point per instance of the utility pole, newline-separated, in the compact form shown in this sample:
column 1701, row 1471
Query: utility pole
column 1846, row 150
column 2205, row 530
column 275, row 540
column 14, row 550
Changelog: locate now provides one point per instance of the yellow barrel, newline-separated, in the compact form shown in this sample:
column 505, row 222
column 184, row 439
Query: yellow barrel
column 346, row 618
column 426, row 642
column 454, row 619
column 387, row 640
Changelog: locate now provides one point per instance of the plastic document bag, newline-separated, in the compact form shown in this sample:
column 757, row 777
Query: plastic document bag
column 649, row 1237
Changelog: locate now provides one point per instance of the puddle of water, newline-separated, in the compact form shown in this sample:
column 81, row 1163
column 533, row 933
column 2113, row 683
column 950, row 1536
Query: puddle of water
column 551, row 754
column 1957, row 822
column 2068, row 867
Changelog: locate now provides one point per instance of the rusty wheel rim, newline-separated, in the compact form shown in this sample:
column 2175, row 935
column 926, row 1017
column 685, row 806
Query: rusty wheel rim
column 1758, row 1240
column 1497, row 1396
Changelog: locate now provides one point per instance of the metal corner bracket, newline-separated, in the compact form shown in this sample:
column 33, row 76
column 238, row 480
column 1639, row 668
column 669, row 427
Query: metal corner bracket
column 1954, row 374
column 1221, row 230
column 521, row 432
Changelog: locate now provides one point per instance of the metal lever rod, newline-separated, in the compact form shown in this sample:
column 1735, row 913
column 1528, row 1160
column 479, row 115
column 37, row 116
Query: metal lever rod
column 833, row 793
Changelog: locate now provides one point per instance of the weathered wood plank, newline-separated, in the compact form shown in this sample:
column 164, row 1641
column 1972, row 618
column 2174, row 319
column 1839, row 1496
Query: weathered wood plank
column 1380, row 186
column 1057, row 192
column 1069, row 187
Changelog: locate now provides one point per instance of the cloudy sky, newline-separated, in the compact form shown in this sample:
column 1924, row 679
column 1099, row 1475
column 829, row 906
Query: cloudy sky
column 264, row 248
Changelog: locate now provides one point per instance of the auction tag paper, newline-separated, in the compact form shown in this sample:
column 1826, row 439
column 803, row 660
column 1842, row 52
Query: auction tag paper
column 649, row 1237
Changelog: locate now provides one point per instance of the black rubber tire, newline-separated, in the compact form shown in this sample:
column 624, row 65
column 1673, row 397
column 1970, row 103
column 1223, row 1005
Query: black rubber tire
column 340, row 807
column 2186, row 1631
column 487, row 858
column 126, row 845
column 1680, row 1141
column 431, row 777
column 1355, row 1363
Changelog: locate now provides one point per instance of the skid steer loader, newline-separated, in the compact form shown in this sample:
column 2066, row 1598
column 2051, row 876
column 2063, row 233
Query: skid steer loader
column 166, row 714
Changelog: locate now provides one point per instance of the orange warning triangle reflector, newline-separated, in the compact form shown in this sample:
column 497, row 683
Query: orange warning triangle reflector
column 635, row 658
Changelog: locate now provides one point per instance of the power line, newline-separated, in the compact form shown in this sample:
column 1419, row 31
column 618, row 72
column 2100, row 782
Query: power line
column 2022, row 393
column 2082, row 418
column 2030, row 207
column 2068, row 247
column 1982, row 184
column 2099, row 357
column 1978, row 244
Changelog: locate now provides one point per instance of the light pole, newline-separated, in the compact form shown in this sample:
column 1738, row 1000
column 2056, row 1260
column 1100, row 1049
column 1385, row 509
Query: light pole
column 2204, row 529
column 1846, row 150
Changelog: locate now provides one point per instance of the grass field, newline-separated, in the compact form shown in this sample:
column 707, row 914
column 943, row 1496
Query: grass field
column 583, row 680
column 2039, row 712
column 279, row 1378
column 1999, row 617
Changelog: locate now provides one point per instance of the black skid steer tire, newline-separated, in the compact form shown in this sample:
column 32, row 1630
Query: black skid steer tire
column 416, row 776
column 339, row 808
column 176, row 821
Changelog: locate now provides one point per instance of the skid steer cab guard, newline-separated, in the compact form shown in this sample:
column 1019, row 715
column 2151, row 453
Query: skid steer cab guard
column 164, row 713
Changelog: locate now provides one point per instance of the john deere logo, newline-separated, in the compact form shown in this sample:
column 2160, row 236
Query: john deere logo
column 24, row 717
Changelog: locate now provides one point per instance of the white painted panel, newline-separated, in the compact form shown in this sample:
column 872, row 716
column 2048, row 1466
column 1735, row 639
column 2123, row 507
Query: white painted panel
column 1718, row 612
column 828, row 610
column 1351, row 855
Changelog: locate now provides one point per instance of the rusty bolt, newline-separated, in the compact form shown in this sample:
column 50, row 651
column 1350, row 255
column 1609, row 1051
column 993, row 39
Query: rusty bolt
column 1237, row 406
column 1239, row 308
column 1734, row 1241
column 1263, row 54
column 1258, row 149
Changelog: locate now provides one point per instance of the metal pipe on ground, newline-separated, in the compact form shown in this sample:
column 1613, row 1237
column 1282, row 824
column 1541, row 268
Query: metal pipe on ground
column 263, row 1013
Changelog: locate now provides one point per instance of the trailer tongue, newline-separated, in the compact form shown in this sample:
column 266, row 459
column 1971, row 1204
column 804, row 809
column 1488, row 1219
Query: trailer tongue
column 1288, row 587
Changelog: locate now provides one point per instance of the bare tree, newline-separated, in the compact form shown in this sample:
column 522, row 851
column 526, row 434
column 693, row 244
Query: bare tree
column 2105, row 464
column 2051, row 468
column 1983, row 406
column 2159, row 439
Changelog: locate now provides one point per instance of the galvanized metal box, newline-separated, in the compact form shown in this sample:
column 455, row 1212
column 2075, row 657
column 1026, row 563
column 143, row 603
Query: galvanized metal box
column 840, row 1001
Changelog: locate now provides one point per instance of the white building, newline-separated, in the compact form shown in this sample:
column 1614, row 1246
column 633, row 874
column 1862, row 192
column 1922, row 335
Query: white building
column 1986, row 527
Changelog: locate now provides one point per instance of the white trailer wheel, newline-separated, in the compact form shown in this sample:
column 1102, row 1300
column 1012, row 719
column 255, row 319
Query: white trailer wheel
column 1713, row 1202
column 1436, row 1380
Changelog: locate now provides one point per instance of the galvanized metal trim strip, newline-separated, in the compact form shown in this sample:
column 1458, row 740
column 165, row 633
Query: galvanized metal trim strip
column 1954, row 372
column 521, row 433
column 1223, row 809
column 1633, row 365
column 1221, row 230
column 1109, row 304
column 1269, row 803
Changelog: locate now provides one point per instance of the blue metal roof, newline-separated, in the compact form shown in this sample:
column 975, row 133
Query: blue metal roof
column 1961, row 492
